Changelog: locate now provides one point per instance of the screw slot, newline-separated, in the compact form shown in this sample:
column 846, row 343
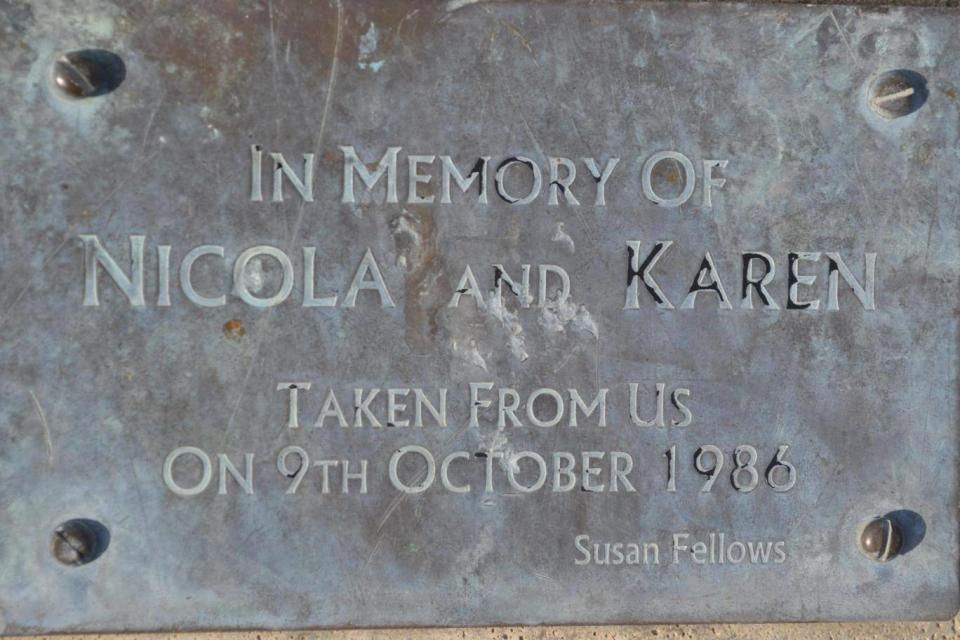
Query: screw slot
column 88, row 73
column 80, row 541
column 897, row 93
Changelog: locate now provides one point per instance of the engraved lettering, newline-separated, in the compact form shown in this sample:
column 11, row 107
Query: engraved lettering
column 445, row 471
column 331, row 409
column 709, row 182
column 245, row 480
column 468, row 286
column 601, row 177
column 256, row 173
column 309, row 284
column 707, row 271
column 293, row 409
column 423, row 481
column 282, row 169
column 478, row 173
column 360, row 283
column 657, row 421
column 359, row 476
column 163, row 275
column 186, row 273
column 94, row 254
column 415, row 178
column 635, row 269
column 386, row 165
column 687, row 415
column 864, row 293
column 513, row 468
column 794, row 280
column 561, row 184
column 241, row 282
column 689, row 180
column 599, row 403
column 205, row 478
column 521, row 290
column 537, row 180
column 751, row 282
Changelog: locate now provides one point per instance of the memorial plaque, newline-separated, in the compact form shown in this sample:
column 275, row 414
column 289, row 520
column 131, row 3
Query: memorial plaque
column 377, row 313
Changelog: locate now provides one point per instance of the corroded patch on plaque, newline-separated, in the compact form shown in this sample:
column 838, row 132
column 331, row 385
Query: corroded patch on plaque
column 402, row 314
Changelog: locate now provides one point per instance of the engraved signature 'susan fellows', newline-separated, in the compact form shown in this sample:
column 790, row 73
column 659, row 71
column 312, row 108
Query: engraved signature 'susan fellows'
column 716, row 547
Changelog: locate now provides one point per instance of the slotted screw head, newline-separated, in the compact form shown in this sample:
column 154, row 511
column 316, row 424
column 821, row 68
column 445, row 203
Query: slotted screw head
column 78, row 542
column 88, row 73
column 895, row 94
column 73, row 77
column 881, row 539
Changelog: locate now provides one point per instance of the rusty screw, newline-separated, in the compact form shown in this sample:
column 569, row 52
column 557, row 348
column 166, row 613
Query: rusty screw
column 881, row 539
column 895, row 94
column 88, row 73
column 78, row 542
column 234, row 329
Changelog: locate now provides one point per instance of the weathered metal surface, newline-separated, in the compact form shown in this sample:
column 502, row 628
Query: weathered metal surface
column 778, row 101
